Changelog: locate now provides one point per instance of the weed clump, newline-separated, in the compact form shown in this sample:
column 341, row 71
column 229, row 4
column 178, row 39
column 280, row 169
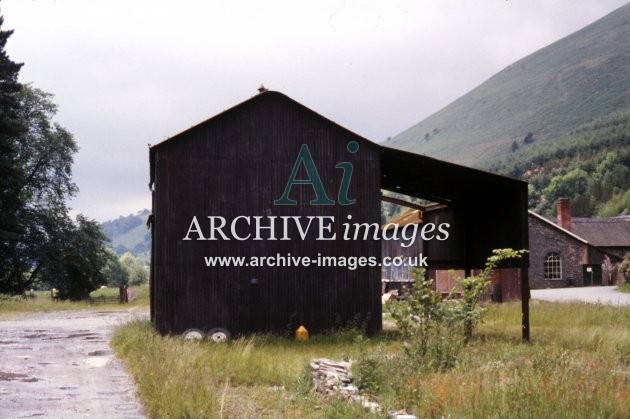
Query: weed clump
column 435, row 329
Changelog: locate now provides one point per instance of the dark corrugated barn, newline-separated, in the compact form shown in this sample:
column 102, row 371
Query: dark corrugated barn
column 239, row 163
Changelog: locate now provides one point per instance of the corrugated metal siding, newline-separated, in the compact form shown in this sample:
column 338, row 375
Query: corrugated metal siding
column 238, row 164
column 509, row 283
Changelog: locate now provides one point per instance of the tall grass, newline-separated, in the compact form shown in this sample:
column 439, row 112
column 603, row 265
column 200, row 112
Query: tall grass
column 253, row 376
column 578, row 365
column 573, row 368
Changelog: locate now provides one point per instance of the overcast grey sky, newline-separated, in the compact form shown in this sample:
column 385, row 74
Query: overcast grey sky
column 128, row 73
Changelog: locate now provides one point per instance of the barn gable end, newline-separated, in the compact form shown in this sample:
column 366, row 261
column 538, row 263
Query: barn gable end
column 238, row 164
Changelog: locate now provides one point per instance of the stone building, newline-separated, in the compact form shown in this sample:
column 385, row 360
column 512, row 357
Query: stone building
column 575, row 251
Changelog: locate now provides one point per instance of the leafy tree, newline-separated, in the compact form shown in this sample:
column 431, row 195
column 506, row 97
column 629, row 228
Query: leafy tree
column 76, row 258
column 573, row 185
column 619, row 204
column 38, row 199
column 570, row 184
column 114, row 273
column 11, row 174
column 134, row 269
column 614, row 171
column 39, row 242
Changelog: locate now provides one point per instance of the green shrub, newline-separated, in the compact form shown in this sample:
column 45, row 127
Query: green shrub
column 435, row 329
column 373, row 369
column 430, row 327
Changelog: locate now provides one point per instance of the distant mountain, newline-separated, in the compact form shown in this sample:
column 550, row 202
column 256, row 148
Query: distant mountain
column 558, row 118
column 130, row 234
column 581, row 78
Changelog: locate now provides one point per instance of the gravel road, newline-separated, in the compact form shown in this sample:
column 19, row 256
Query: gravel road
column 59, row 365
column 601, row 295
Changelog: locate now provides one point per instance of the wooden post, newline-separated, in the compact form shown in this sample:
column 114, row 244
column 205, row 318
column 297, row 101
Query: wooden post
column 525, row 302
column 122, row 294
column 524, row 265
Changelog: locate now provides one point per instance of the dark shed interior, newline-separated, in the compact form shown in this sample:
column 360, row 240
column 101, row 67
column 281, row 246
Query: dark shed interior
column 488, row 211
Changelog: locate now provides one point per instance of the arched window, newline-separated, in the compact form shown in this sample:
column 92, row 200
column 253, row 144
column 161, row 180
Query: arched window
column 553, row 266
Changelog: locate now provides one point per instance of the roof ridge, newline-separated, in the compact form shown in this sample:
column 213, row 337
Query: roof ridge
column 558, row 227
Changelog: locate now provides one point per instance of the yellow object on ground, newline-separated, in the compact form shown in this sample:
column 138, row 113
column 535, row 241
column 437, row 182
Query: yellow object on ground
column 301, row 334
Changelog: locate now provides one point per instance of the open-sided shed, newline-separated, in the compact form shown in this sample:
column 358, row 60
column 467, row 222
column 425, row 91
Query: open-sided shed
column 270, row 161
column 486, row 211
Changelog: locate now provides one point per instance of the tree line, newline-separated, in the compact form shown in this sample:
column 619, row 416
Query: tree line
column 41, row 245
column 590, row 165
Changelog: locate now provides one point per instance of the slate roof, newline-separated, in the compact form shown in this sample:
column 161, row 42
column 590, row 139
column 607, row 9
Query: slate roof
column 603, row 232
column 553, row 223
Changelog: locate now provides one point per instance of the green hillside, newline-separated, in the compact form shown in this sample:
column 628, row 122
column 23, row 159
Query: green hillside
column 130, row 234
column 538, row 99
column 589, row 165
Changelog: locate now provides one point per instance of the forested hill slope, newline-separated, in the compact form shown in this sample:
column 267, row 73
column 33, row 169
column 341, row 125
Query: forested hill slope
column 590, row 165
column 538, row 99
column 130, row 234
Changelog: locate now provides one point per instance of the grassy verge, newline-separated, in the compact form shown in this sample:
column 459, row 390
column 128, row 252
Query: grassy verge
column 255, row 376
column 578, row 365
column 42, row 301
column 624, row 287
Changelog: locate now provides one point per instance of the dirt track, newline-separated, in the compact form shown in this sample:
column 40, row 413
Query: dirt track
column 59, row 365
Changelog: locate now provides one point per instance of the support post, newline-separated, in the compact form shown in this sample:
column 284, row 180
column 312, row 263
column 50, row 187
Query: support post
column 524, row 264
column 525, row 302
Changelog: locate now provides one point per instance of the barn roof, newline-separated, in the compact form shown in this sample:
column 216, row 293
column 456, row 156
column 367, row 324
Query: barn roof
column 267, row 97
column 257, row 100
column 432, row 179
column 439, row 181
column 491, row 209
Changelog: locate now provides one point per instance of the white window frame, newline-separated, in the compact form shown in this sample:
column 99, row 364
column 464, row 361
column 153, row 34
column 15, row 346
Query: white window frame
column 552, row 267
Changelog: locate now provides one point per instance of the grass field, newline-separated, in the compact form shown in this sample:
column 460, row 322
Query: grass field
column 578, row 365
column 42, row 301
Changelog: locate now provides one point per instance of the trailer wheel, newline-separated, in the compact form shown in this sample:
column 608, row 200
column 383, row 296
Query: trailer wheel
column 193, row 334
column 219, row 334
